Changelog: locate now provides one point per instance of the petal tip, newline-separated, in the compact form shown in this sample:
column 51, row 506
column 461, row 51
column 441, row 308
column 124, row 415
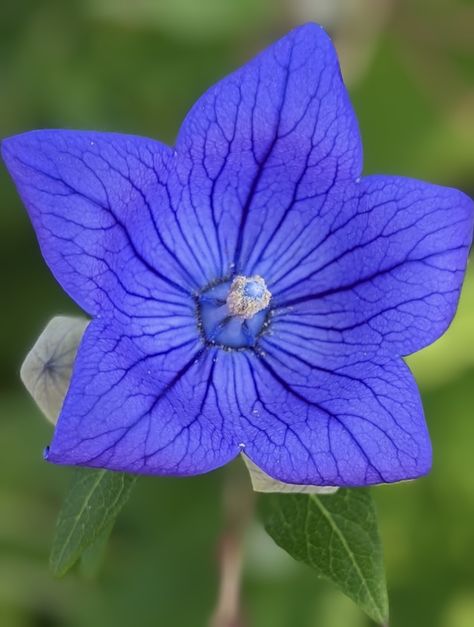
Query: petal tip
column 311, row 31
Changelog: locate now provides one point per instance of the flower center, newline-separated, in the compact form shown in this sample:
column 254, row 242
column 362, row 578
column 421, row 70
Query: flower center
column 232, row 314
column 247, row 296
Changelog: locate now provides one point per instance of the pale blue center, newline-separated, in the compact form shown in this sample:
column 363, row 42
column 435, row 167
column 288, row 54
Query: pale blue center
column 254, row 290
column 219, row 328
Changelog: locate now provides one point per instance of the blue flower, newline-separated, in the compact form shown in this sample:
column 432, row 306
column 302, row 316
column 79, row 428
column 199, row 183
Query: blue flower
column 249, row 291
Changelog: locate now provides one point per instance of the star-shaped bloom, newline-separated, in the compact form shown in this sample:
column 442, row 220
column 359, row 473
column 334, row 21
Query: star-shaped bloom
column 249, row 291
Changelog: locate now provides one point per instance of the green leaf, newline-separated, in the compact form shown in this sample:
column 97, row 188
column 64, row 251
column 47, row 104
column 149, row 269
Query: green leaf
column 337, row 535
column 94, row 499
column 92, row 557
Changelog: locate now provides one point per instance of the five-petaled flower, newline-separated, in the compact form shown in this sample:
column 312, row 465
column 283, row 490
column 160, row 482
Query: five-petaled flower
column 249, row 291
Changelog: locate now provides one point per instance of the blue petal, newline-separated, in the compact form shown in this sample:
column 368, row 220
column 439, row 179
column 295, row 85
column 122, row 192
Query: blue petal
column 98, row 203
column 271, row 138
column 143, row 403
column 359, row 425
column 383, row 276
column 263, row 181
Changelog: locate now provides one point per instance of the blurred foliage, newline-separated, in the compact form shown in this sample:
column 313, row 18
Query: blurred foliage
column 136, row 66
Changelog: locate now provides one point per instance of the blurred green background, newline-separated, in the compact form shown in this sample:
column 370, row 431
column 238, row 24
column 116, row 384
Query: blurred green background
column 136, row 66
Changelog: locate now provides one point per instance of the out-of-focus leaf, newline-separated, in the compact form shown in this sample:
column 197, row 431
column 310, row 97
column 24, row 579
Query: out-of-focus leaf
column 186, row 18
column 94, row 499
column 261, row 482
column 338, row 537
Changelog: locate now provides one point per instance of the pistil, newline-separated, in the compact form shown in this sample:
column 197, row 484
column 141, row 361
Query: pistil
column 247, row 296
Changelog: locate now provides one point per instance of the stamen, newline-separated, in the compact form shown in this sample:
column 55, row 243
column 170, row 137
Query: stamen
column 247, row 296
